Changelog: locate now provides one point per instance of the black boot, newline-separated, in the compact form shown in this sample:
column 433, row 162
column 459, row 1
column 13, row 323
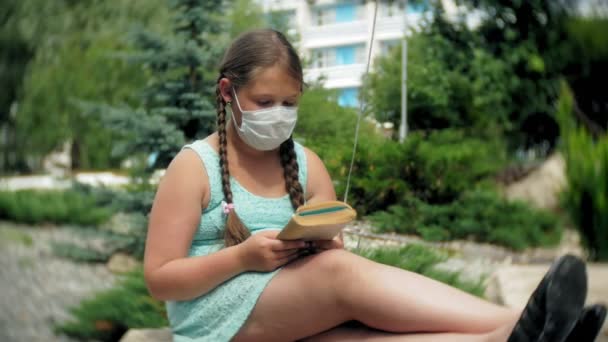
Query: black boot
column 589, row 324
column 554, row 307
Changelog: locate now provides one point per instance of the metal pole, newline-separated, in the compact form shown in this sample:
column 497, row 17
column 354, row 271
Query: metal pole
column 403, row 125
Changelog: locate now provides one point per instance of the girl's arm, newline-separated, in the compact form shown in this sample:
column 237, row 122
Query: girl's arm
column 169, row 273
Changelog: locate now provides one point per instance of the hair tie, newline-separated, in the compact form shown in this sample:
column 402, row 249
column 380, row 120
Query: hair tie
column 226, row 207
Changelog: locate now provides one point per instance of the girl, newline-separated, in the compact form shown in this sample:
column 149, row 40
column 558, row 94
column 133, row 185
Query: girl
column 213, row 256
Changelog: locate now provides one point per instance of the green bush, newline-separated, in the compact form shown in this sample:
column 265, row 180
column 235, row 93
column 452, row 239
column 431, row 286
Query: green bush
column 422, row 260
column 479, row 215
column 79, row 253
column 436, row 167
column 376, row 176
column 586, row 196
column 446, row 163
column 58, row 207
column 134, row 199
column 111, row 313
column 322, row 121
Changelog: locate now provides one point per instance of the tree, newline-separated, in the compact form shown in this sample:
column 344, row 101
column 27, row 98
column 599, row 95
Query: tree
column 71, row 43
column 179, row 105
column 15, row 54
column 530, row 36
column 452, row 82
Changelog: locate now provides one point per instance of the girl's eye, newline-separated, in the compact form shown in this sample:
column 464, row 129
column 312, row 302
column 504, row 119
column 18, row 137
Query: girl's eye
column 264, row 103
column 289, row 104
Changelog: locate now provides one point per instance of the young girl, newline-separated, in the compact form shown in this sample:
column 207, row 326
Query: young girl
column 213, row 256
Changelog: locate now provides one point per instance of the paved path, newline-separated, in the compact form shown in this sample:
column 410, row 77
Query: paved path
column 37, row 288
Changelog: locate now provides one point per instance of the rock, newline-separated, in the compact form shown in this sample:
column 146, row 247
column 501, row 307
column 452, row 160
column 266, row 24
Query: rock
column 122, row 263
column 126, row 224
column 542, row 186
column 147, row 335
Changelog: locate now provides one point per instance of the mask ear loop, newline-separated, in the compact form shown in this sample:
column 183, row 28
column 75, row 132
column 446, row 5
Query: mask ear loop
column 237, row 99
column 361, row 107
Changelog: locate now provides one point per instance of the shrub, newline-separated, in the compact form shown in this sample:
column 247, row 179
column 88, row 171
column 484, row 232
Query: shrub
column 109, row 314
column 79, row 253
column 586, row 196
column 136, row 198
column 446, row 163
column 422, row 260
column 436, row 167
column 479, row 215
column 58, row 207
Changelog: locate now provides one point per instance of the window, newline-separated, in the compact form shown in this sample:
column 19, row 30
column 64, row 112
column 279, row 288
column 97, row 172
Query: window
column 345, row 55
column 323, row 58
column 339, row 55
column 345, row 13
column 348, row 97
column 417, row 6
column 322, row 16
column 341, row 13
column 397, row 7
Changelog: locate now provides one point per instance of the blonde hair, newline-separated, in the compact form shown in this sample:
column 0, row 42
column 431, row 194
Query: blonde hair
column 246, row 55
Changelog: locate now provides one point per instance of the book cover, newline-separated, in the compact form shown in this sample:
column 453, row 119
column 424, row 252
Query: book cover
column 318, row 221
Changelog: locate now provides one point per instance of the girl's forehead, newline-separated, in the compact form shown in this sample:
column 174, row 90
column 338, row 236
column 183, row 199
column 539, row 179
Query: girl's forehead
column 274, row 80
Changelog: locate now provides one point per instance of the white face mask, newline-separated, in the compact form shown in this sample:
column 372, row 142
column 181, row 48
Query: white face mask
column 266, row 129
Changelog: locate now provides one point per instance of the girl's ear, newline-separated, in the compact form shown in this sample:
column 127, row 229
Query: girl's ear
column 226, row 89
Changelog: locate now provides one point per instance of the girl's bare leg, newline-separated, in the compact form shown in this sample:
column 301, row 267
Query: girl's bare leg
column 320, row 292
column 344, row 334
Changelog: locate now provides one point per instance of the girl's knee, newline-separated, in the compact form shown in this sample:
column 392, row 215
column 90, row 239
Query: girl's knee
column 334, row 264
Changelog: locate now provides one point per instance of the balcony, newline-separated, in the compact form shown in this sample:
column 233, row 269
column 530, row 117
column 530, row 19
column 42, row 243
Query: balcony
column 357, row 31
column 335, row 34
column 392, row 27
column 339, row 76
column 274, row 5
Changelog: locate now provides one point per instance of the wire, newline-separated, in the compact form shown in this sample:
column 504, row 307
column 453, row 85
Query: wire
column 361, row 107
column 361, row 110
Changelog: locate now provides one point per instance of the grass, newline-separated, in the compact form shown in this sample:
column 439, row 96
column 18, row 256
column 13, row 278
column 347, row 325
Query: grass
column 422, row 260
column 13, row 235
column 110, row 313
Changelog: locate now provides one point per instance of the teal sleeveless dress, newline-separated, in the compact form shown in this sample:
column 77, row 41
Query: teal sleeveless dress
column 219, row 314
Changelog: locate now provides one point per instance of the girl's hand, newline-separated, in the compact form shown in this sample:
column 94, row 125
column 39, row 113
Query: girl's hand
column 324, row 245
column 263, row 252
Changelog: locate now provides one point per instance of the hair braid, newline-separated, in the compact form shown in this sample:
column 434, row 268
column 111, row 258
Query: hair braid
column 235, row 231
column 289, row 162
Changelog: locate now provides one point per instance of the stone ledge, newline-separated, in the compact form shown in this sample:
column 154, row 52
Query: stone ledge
column 147, row 335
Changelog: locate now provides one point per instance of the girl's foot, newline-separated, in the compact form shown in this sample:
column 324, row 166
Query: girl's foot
column 555, row 305
column 589, row 324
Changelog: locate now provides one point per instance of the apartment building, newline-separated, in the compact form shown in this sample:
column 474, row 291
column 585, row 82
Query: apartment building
column 334, row 35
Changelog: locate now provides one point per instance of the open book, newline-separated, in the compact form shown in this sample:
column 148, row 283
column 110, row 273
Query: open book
column 318, row 221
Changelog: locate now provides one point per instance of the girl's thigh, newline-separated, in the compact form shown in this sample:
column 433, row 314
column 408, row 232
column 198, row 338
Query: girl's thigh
column 301, row 300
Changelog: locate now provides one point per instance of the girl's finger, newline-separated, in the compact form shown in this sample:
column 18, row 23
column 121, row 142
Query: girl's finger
column 286, row 253
column 291, row 258
column 280, row 245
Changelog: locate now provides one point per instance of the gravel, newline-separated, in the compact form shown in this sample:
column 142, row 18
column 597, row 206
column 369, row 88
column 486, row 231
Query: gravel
column 38, row 288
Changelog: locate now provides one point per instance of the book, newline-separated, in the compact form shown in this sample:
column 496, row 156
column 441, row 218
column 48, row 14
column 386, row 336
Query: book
column 318, row 221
